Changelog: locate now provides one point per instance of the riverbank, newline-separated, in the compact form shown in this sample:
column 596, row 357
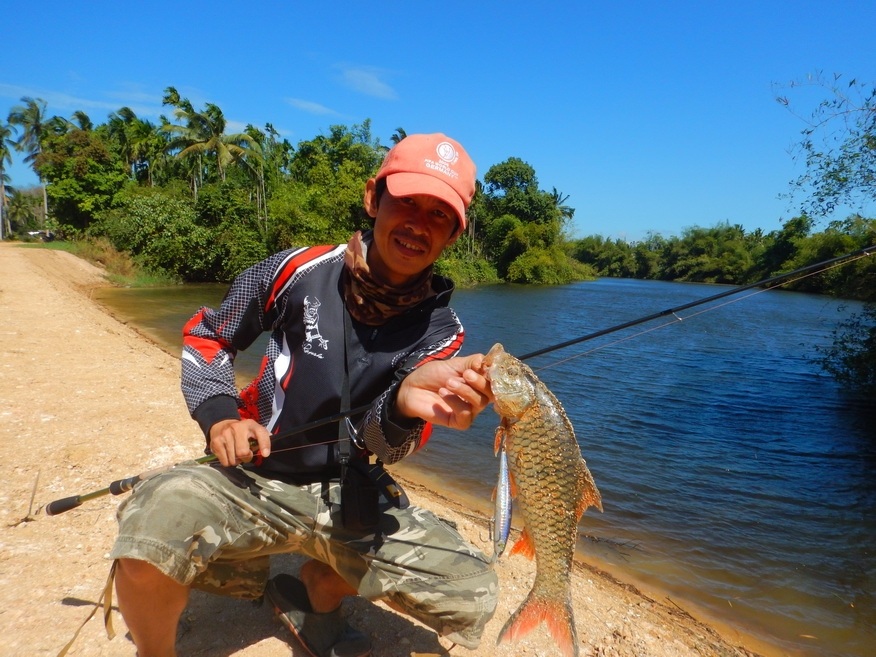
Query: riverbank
column 85, row 399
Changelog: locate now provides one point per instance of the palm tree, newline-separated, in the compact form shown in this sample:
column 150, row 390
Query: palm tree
column 566, row 212
column 139, row 143
column 398, row 135
column 82, row 121
column 31, row 120
column 22, row 209
column 202, row 134
column 255, row 161
column 5, row 158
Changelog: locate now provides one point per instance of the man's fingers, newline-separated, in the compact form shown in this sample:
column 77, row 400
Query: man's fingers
column 263, row 441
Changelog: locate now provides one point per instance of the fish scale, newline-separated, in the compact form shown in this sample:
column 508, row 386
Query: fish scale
column 553, row 487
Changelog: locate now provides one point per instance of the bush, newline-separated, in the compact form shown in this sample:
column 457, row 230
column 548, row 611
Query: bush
column 851, row 359
column 467, row 272
column 547, row 267
column 161, row 234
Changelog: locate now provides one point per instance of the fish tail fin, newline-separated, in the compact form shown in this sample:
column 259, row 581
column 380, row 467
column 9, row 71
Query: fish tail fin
column 555, row 613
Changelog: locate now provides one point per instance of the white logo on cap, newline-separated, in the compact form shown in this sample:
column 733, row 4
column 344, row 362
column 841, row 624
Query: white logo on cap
column 447, row 153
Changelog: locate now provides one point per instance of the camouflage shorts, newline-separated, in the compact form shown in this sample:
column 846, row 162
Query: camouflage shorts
column 214, row 528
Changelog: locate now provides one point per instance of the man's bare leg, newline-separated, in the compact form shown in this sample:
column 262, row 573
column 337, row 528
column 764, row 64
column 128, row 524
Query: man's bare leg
column 151, row 604
column 325, row 587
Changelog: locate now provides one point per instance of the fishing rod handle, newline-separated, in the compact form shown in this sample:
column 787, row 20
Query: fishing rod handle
column 120, row 486
column 60, row 506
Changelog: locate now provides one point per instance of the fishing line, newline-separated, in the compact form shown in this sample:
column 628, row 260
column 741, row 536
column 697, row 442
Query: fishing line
column 766, row 285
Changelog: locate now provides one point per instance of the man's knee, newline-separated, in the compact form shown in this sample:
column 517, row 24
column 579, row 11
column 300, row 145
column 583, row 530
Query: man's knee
column 138, row 572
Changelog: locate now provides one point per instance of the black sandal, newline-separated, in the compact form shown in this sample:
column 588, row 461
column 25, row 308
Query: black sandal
column 321, row 635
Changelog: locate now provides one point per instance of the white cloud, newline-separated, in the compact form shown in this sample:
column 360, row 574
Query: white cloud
column 311, row 108
column 58, row 102
column 367, row 80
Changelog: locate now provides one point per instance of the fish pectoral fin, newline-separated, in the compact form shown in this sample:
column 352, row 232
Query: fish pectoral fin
column 512, row 485
column 499, row 439
column 524, row 545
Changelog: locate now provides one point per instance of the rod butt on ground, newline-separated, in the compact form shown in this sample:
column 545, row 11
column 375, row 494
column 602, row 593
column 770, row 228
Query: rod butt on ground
column 60, row 506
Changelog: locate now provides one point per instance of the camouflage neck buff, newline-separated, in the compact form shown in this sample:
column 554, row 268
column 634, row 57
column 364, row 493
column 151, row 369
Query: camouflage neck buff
column 371, row 301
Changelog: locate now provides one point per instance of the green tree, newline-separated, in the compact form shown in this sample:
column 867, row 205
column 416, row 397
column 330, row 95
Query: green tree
column 838, row 146
column 24, row 210
column 226, row 209
column 567, row 212
column 138, row 142
column 708, row 255
column 5, row 159
column 839, row 150
column 162, row 233
column 201, row 138
column 83, row 175
column 511, row 187
column 398, row 135
column 851, row 358
column 608, row 258
column 333, row 169
column 522, row 221
column 31, row 120
column 648, row 256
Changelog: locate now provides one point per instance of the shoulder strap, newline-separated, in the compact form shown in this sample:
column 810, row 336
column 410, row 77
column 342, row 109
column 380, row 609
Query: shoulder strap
column 343, row 428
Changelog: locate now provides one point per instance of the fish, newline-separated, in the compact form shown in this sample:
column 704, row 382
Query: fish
column 552, row 486
column 501, row 526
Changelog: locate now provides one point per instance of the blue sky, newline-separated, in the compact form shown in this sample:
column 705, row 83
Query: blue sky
column 651, row 116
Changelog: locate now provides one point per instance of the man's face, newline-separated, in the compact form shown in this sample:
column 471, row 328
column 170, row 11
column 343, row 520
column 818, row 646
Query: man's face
column 409, row 234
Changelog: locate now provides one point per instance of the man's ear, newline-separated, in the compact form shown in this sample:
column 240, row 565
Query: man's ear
column 370, row 200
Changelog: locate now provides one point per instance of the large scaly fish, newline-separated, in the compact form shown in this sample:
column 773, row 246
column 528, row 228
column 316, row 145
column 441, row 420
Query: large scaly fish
column 553, row 488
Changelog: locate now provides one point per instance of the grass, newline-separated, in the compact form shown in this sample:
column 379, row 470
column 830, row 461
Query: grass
column 121, row 269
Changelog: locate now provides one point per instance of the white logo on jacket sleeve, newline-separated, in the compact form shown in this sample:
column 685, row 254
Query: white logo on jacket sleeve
column 311, row 328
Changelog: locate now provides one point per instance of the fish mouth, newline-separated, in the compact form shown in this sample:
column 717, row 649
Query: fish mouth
column 490, row 358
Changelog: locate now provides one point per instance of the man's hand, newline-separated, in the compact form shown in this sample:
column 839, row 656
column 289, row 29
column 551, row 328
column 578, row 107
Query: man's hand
column 450, row 393
column 230, row 441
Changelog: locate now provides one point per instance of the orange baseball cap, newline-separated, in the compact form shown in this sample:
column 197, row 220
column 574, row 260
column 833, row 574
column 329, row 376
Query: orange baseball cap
column 434, row 165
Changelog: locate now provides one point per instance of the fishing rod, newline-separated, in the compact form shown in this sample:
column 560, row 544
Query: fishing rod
column 824, row 264
column 120, row 486
column 124, row 485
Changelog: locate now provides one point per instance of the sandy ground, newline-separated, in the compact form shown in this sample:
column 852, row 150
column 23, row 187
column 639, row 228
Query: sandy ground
column 85, row 400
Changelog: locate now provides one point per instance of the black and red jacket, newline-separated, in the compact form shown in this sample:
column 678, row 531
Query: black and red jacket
column 296, row 296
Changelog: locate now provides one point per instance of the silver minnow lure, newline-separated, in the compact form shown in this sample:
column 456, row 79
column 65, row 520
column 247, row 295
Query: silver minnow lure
column 501, row 526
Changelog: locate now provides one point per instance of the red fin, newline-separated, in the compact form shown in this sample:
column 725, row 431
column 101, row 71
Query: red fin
column 497, row 441
column 556, row 614
column 524, row 545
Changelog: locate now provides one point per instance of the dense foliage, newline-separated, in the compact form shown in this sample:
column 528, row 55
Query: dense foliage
column 727, row 254
column 190, row 201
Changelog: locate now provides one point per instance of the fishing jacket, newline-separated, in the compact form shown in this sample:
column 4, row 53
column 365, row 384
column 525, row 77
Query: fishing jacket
column 297, row 297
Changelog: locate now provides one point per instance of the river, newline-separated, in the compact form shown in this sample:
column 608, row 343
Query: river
column 735, row 474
